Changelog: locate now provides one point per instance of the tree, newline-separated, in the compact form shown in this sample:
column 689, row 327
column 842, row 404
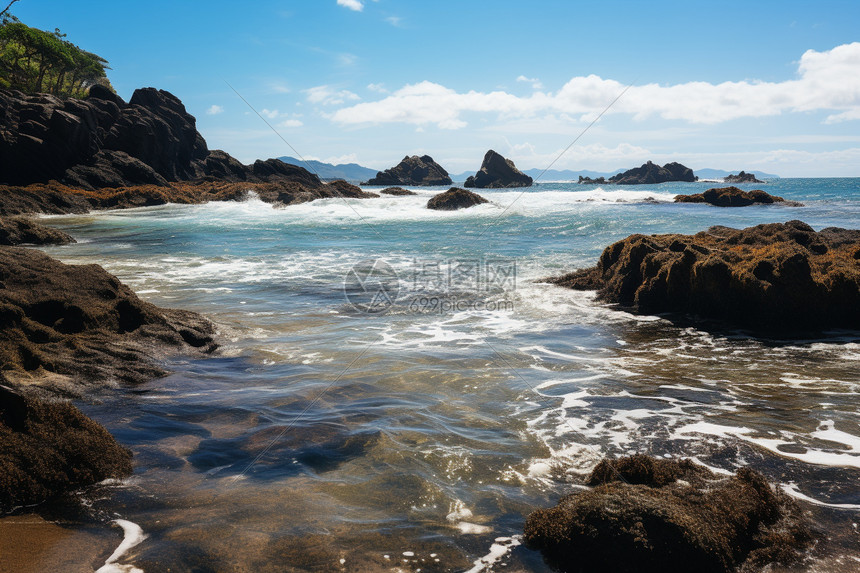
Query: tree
column 33, row 60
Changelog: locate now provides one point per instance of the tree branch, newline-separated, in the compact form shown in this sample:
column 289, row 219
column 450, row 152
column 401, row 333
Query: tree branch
column 6, row 9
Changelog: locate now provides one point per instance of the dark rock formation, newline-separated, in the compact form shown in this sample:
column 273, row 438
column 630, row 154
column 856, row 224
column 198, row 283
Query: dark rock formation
column 453, row 199
column 68, row 326
column 497, row 172
column 775, row 277
column 47, row 448
column 413, row 171
column 649, row 173
column 21, row 230
column 734, row 197
column 742, row 177
column 651, row 516
column 590, row 181
column 102, row 142
column 398, row 191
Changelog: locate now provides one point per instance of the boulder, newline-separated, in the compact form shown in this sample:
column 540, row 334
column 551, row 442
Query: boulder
column 21, row 230
column 734, row 197
column 49, row 448
column 414, row 171
column 497, row 172
column 783, row 278
column 398, row 191
column 453, row 199
column 590, row 181
column 646, row 515
column 69, row 326
column 742, row 177
column 650, row 173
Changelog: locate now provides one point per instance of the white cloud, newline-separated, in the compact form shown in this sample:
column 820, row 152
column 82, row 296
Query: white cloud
column 291, row 123
column 346, row 59
column 536, row 83
column 325, row 95
column 215, row 110
column 379, row 88
column 394, row 20
column 356, row 5
column 270, row 113
column 826, row 81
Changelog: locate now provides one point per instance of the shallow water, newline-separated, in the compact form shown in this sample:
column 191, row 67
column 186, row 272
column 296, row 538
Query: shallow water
column 325, row 438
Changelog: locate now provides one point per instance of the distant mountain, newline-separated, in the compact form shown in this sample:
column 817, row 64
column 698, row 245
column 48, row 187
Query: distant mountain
column 720, row 173
column 349, row 171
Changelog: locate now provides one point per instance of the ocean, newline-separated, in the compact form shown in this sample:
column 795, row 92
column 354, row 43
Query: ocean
column 397, row 389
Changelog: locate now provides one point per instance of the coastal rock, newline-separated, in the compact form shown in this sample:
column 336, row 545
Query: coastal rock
column 734, row 197
column 65, row 327
column 590, row 181
column 453, row 199
column 102, row 141
column 648, row 515
column 21, row 231
column 773, row 277
column 742, row 177
column 397, row 191
column 650, row 173
column 497, row 172
column 414, row 171
column 48, row 448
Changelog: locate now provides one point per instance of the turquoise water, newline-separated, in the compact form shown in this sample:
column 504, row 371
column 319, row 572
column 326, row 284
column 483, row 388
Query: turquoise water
column 422, row 436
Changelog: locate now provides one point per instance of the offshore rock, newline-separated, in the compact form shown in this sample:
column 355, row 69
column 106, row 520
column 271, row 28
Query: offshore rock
column 734, row 197
column 420, row 171
column 397, row 191
column 453, row 199
column 650, row 173
column 742, row 177
column 497, row 172
column 785, row 278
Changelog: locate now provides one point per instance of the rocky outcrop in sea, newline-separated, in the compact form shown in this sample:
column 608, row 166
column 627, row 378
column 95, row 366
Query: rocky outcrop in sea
column 453, row 199
column 780, row 277
column 742, row 177
column 650, row 173
column 734, row 197
column 415, row 170
column 496, row 173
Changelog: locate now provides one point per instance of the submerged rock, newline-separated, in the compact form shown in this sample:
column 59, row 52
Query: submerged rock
column 397, row 191
column 497, row 172
column 415, row 170
column 775, row 277
column 66, row 327
column 646, row 515
column 650, row 173
column 48, row 448
column 21, row 231
column 453, row 199
column 742, row 177
column 734, row 197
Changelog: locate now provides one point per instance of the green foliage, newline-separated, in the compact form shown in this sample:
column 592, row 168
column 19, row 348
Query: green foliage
column 33, row 60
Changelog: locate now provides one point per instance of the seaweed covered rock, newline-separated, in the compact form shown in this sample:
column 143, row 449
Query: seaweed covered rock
column 453, row 199
column 48, row 448
column 774, row 277
column 413, row 170
column 734, row 197
column 397, row 191
column 497, row 172
column 68, row 326
column 23, row 231
column 644, row 515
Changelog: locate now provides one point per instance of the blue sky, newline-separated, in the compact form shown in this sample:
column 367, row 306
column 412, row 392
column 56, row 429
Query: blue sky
column 773, row 86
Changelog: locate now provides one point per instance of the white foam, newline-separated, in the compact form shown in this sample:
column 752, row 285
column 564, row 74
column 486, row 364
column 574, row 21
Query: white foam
column 793, row 490
column 132, row 536
column 501, row 547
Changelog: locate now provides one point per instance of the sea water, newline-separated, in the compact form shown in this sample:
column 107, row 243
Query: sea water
column 336, row 430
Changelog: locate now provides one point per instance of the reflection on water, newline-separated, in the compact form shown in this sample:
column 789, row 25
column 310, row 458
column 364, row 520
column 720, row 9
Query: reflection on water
column 323, row 440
